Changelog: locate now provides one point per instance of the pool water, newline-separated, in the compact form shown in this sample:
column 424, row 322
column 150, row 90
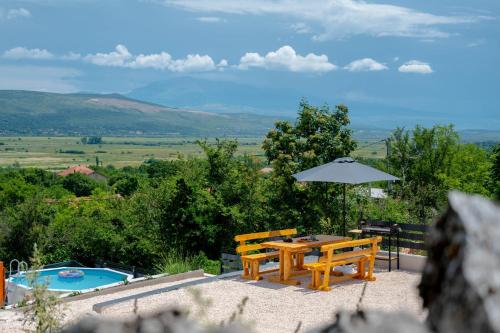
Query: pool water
column 93, row 278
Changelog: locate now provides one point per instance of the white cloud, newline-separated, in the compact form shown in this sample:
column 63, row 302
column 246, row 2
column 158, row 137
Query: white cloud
column 12, row 14
column 117, row 58
column 301, row 28
column 365, row 65
column 209, row 19
column 18, row 13
column 71, row 56
column 223, row 63
column 25, row 53
column 193, row 63
column 338, row 18
column 415, row 66
column 121, row 57
column 286, row 58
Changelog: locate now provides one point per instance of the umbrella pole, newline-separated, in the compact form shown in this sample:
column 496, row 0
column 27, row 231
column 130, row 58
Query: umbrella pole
column 344, row 226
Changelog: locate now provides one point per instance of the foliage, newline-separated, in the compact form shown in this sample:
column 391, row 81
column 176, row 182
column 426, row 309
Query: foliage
column 173, row 263
column 124, row 185
column 494, row 183
column 44, row 312
column 319, row 135
column 422, row 160
column 79, row 184
column 432, row 161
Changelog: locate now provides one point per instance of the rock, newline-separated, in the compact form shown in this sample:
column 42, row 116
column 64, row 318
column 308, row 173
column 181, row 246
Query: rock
column 460, row 283
column 374, row 322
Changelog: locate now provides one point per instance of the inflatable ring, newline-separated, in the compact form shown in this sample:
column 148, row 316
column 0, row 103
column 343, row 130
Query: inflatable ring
column 71, row 274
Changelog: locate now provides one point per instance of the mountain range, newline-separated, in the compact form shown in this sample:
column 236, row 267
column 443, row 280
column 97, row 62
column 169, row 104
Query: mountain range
column 41, row 113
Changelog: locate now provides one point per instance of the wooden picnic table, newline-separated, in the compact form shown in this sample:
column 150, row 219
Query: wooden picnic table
column 286, row 250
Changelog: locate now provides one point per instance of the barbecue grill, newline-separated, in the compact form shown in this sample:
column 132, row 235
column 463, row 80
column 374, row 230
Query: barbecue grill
column 390, row 230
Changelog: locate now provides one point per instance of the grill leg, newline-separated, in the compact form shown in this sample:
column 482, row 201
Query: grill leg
column 390, row 261
column 397, row 247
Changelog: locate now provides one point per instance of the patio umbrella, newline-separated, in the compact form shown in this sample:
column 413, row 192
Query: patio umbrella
column 343, row 170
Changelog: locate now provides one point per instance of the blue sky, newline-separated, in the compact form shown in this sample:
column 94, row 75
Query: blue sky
column 393, row 62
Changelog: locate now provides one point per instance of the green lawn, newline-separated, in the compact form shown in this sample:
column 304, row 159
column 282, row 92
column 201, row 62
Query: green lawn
column 56, row 153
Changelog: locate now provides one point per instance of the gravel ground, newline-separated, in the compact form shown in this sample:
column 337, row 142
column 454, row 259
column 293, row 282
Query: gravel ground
column 12, row 320
column 277, row 308
column 270, row 308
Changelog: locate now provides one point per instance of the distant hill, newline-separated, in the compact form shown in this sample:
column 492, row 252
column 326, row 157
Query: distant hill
column 38, row 113
column 219, row 96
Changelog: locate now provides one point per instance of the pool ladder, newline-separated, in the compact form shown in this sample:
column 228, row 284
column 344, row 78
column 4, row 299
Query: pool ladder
column 22, row 266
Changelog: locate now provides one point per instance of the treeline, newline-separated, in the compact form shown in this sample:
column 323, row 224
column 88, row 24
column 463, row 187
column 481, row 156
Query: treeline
column 142, row 214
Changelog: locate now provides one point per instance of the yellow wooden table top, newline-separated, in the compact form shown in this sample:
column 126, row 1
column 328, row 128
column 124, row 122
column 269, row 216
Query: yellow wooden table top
column 298, row 245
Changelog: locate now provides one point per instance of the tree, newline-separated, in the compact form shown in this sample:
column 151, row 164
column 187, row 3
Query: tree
column 79, row 184
column 423, row 160
column 494, row 183
column 219, row 158
column 469, row 171
column 319, row 135
column 125, row 185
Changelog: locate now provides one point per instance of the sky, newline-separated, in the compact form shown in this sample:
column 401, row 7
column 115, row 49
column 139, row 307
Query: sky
column 400, row 62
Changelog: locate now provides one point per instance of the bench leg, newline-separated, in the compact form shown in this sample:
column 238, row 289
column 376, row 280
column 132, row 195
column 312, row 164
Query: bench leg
column 315, row 279
column 255, row 270
column 326, row 281
column 370, row 276
column 361, row 269
column 246, row 271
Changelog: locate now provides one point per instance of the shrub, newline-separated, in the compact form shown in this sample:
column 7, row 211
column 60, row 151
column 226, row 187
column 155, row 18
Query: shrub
column 79, row 184
column 174, row 263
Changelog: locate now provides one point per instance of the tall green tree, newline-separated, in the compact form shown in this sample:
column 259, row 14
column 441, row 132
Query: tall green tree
column 319, row 135
column 494, row 183
column 423, row 159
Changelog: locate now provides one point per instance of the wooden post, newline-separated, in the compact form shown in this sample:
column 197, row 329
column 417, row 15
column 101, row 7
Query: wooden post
column 2, row 285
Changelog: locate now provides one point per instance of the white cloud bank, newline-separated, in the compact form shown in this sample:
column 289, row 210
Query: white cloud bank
column 25, row 53
column 338, row 18
column 121, row 57
column 365, row 65
column 286, row 58
column 415, row 66
column 12, row 14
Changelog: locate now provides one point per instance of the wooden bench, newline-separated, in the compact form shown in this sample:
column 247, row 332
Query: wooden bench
column 251, row 262
column 330, row 260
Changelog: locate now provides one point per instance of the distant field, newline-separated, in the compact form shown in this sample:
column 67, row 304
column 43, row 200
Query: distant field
column 56, row 153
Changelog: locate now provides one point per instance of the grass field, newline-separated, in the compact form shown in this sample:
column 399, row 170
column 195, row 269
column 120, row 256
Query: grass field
column 56, row 153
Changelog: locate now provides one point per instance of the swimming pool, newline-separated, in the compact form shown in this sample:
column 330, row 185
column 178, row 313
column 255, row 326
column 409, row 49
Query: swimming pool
column 92, row 279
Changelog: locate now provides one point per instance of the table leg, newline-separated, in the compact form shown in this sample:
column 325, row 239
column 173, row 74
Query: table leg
column 287, row 264
column 282, row 266
column 285, row 269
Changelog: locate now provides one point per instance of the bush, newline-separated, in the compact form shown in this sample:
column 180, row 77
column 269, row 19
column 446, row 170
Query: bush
column 124, row 185
column 174, row 263
column 79, row 184
column 71, row 151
